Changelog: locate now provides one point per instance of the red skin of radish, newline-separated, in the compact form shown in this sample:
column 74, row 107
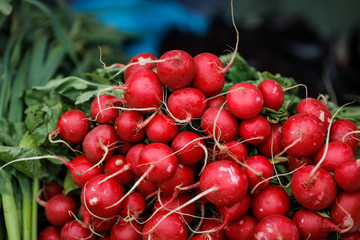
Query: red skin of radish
column 192, row 153
column 296, row 162
column 98, row 197
column 244, row 100
column 347, row 176
column 341, row 127
column 187, row 103
column 172, row 227
column 72, row 126
column 73, row 230
column 50, row 189
column 226, row 125
column 128, row 128
column 308, row 132
column 116, row 163
column 57, row 209
column 96, row 224
column 162, row 157
column 139, row 58
column 211, row 223
column 124, row 147
column 217, row 101
column 177, row 72
column 316, row 108
column 257, row 127
column 101, row 135
column 264, row 170
column 313, row 226
column 242, row 228
column 269, row 201
column 272, row 92
column 134, row 205
column 350, row 236
column 162, row 128
column 272, row 145
column 315, row 193
column 126, row 231
column 132, row 158
column 143, row 90
column 233, row 149
column 229, row 178
column 337, row 153
column 209, row 77
column 349, row 210
column 183, row 177
column 79, row 170
column 108, row 114
column 276, row 227
column 146, row 187
column 49, row 233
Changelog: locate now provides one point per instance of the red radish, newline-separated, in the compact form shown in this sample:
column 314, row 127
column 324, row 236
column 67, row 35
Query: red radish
column 177, row 72
column 186, row 104
column 347, row 176
column 350, row 236
column 209, row 77
column 172, row 227
column 258, row 169
column 313, row 226
column 183, row 177
column 103, row 110
column 188, row 153
column 255, row 130
column 99, row 143
column 134, row 206
column 228, row 180
column 217, row 101
column 159, row 161
column 129, row 126
column 341, row 130
column 303, row 134
column 233, row 151
column 272, row 145
column 49, row 233
column 209, row 224
column 244, row 100
column 276, row 227
column 337, row 153
column 50, row 189
column 272, row 92
column 73, row 230
column 162, row 128
column 219, row 123
column 123, row 230
column 345, row 211
column 269, row 201
column 316, row 108
column 296, row 162
column 316, row 191
column 242, row 228
column 99, row 197
column 72, row 126
column 116, row 164
column 94, row 223
column 146, row 187
column 132, row 158
column 143, row 61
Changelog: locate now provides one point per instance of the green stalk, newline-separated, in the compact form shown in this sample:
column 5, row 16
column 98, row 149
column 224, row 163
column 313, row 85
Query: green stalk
column 26, row 208
column 2, row 223
column 10, row 209
column 34, row 209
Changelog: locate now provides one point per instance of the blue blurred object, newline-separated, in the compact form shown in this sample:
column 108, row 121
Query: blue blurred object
column 148, row 19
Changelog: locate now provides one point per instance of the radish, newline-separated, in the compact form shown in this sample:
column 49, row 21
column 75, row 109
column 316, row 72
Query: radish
column 272, row 92
column 313, row 191
column 188, row 153
column 99, row 143
column 258, row 169
column 117, row 165
column 50, row 189
column 269, row 201
column 347, row 176
column 49, row 233
column 344, row 130
column 146, row 187
column 72, row 126
column 226, row 181
column 296, row 162
column 217, row 101
column 345, row 211
column 99, row 196
column 313, row 226
column 303, row 134
column 276, row 227
column 141, row 59
column 103, row 110
column 57, row 209
column 208, row 225
column 177, row 72
column 73, row 230
column 132, row 158
column 219, row 123
column 183, row 177
column 350, row 236
column 129, row 126
column 233, row 151
column 336, row 154
column 244, row 100
column 241, row 228
column 134, row 206
column 316, row 108
column 255, row 130
column 272, row 145
column 186, row 104
column 94, row 223
column 123, row 230
column 162, row 128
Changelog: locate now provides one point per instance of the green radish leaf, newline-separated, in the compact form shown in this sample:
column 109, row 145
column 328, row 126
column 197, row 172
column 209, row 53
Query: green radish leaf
column 5, row 7
column 69, row 184
column 11, row 133
column 86, row 96
column 97, row 78
column 239, row 71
